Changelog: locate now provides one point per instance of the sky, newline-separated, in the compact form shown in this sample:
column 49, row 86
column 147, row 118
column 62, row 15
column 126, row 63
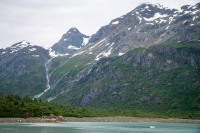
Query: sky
column 43, row 22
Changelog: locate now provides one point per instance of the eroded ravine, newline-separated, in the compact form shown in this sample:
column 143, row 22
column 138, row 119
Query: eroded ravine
column 47, row 78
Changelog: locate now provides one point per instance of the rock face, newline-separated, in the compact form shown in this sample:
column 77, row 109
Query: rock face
column 88, row 78
column 70, row 42
column 145, row 26
column 145, row 78
column 22, row 69
column 147, row 59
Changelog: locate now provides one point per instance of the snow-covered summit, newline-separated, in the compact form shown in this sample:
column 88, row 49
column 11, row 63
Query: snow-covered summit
column 21, row 44
column 70, row 42
column 146, row 25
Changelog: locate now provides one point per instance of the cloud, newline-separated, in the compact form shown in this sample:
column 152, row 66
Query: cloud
column 43, row 22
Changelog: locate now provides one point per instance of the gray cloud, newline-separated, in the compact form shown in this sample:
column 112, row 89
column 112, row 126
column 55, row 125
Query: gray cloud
column 43, row 22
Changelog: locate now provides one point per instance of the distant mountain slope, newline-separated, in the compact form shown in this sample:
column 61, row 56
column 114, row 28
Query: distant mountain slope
column 22, row 69
column 70, row 42
column 160, row 78
column 146, row 25
column 147, row 60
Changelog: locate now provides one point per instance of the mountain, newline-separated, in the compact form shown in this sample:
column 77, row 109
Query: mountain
column 70, row 42
column 146, row 60
column 130, row 62
column 145, row 26
column 22, row 69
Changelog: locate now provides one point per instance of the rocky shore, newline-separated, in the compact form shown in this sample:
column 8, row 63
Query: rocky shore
column 56, row 119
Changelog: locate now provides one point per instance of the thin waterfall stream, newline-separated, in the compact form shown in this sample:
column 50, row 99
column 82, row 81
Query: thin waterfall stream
column 47, row 78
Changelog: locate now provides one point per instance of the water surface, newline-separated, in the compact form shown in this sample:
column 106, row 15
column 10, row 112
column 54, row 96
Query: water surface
column 101, row 127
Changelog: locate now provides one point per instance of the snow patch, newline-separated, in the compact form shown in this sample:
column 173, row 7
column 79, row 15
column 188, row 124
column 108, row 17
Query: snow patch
column 32, row 49
column 79, row 53
column 115, row 22
column 147, row 7
column 36, row 55
column 3, row 52
column 194, row 12
column 163, row 21
column 65, row 39
column 105, row 53
column 120, row 54
column 195, row 17
column 138, row 30
column 53, row 54
column 186, row 12
column 73, row 47
column 107, row 44
column 150, row 23
column 156, row 16
column 185, row 22
column 129, row 28
column 19, row 46
column 100, row 42
column 167, row 28
column 140, row 19
column 25, row 43
column 51, row 98
column 170, row 20
column 85, row 40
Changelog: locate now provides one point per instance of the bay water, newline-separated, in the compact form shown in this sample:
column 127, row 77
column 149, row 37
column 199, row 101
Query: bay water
column 99, row 127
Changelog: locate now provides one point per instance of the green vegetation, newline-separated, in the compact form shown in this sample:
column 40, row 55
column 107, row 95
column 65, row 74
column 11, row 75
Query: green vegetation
column 63, row 73
column 22, row 75
column 142, row 80
column 181, row 44
column 72, row 65
column 16, row 106
column 160, row 81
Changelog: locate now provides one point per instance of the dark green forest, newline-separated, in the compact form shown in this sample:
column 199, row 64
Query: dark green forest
column 13, row 106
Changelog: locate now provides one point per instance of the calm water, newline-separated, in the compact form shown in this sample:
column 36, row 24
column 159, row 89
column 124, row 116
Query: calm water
column 94, row 127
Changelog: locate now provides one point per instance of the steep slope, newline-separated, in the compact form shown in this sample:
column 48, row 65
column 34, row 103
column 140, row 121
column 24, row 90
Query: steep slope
column 161, row 78
column 147, row 60
column 22, row 69
column 65, row 71
column 70, row 42
column 145, row 26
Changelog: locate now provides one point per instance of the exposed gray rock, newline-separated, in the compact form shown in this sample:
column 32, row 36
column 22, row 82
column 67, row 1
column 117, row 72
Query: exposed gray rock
column 22, row 69
column 145, row 26
column 70, row 42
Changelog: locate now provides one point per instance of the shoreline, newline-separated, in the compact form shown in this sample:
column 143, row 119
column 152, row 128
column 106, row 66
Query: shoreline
column 98, row 119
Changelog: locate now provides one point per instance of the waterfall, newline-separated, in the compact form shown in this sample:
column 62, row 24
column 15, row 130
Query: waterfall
column 47, row 78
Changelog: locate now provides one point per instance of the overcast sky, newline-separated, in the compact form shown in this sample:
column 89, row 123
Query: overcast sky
column 42, row 22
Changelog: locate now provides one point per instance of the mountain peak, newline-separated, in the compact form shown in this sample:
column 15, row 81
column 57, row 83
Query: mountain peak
column 73, row 29
column 70, row 42
column 21, row 44
column 149, row 10
column 150, row 5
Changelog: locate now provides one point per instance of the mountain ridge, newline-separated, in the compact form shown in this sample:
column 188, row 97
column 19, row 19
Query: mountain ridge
column 70, row 42
column 142, row 60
